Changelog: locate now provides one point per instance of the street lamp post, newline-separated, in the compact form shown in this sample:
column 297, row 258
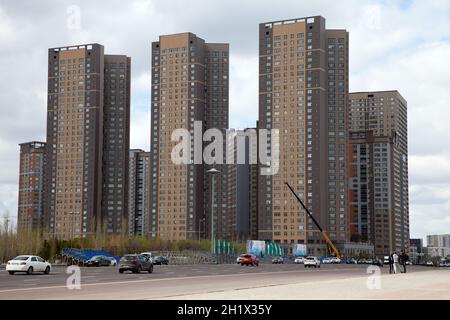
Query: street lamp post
column 213, row 172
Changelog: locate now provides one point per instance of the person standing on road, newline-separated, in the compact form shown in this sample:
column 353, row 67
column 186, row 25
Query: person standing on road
column 403, row 259
column 395, row 258
column 391, row 263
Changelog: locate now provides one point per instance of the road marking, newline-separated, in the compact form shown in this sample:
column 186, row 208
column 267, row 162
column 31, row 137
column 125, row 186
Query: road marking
column 168, row 279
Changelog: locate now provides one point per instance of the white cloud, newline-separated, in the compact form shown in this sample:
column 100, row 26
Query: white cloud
column 393, row 45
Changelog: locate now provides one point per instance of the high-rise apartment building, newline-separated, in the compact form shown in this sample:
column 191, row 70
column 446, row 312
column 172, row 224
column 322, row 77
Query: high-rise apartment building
column 116, row 143
column 189, row 83
column 216, row 117
column 303, row 92
column 378, row 170
column 241, row 192
column 31, row 183
column 438, row 240
column 139, row 193
column 87, row 124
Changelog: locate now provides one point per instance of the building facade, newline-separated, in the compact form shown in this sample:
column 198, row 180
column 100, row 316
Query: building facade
column 189, row 88
column 139, row 193
column 116, row 143
column 416, row 250
column 242, row 170
column 438, row 240
column 378, row 170
column 303, row 92
column 88, row 92
column 31, row 182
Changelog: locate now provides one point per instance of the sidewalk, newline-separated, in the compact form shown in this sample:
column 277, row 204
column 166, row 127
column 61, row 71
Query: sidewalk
column 419, row 285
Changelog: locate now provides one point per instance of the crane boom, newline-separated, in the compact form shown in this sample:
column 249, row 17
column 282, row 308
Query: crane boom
column 324, row 234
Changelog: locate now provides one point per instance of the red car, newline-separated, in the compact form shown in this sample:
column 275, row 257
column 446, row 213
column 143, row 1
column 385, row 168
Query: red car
column 249, row 260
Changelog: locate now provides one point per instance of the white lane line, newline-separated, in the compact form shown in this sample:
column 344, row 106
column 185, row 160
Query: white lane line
column 166, row 279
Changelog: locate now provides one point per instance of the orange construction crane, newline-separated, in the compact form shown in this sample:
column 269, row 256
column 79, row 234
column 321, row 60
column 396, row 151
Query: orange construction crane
column 324, row 234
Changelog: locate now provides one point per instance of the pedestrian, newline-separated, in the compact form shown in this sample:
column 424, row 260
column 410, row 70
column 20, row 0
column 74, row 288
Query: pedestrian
column 395, row 258
column 391, row 263
column 403, row 259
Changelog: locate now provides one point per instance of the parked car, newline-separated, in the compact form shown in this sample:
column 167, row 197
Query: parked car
column 98, row 261
column 445, row 263
column 28, row 264
column 351, row 261
column 112, row 260
column 277, row 260
column 147, row 254
column 299, row 260
column 326, row 260
column 160, row 260
column 429, row 263
column 135, row 263
column 362, row 261
column 377, row 262
column 335, row 260
column 312, row 261
column 249, row 260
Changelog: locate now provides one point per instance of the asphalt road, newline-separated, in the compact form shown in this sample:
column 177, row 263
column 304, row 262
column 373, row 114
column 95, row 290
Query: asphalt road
column 170, row 281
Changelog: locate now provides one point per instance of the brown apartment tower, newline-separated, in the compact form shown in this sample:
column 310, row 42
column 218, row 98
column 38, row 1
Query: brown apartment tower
column 139, row 193
column 31, row 183
column 189, row 83
column 87, row 142
column 378, row 170
column 303, row 92
column 242, row 219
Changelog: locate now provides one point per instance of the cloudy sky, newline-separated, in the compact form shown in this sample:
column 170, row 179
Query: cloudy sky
column 402, row 45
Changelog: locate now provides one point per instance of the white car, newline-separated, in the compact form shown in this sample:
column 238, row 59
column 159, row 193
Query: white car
column 299, row 260
column 28, row 264
column 113, row 261
column 312, row 261
column 335, row 260
column 327, row 260
column 148, row 255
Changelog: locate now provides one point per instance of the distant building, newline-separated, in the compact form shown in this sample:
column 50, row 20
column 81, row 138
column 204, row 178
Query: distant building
column 303, row 92
column 88, row 127
column 418, row 243
column 416, row 250
column 31, row 182
column 438, row 240
column 442, row 252
column 378, row 170
column 242, row 185
column 189, row 84
column 139, row 194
